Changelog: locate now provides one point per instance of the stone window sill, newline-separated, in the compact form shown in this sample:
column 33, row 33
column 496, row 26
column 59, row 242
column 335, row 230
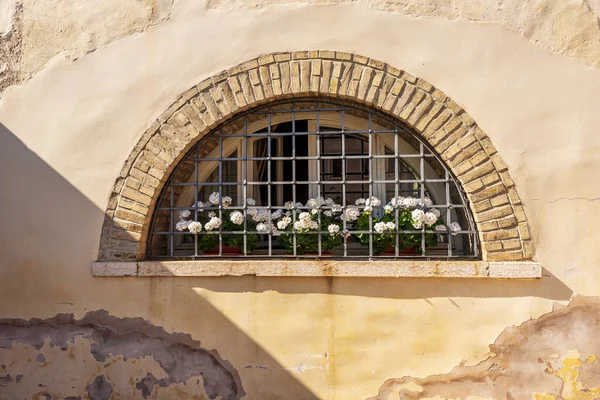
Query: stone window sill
column 320, row 268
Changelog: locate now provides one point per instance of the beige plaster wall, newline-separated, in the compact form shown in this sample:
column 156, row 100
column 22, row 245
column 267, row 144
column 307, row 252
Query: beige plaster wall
column 70, row 127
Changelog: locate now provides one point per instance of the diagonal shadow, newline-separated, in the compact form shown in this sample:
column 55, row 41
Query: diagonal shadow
column 49, row 238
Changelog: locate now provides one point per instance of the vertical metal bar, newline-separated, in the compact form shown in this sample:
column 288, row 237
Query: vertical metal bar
column 318, row 163
column 269, row 180
column 195, row 197
column 245, row 183
column 294, row 175
column 345, row 227
column 172, row 220
column 396, row 188
column 448, row 212
column 422, row 179
column 370, row 184
column 220, row 192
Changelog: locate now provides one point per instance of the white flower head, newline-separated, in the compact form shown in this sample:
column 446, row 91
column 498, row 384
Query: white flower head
column 417, row 225
column 418, row 215
column 200, row 206
column 183, row 214
column 214, row 198
column 380, row 227
column 284, row 222
column 429, row 218
column 388, row 209
column 328, row 213
column 252, row 212
column 390, row 226
column 304, row 216
column 454, row 228
column 368, row 209
column 289, row 204
column 435, row 212
column 182, row 225
column 410, row 202
column 426, row 201
column 360, row 201
column 211, row 214
column 336, row 208
column 226, row 200
column 397, row 201
column 237, row 217
column 441, row 228
column 311, row 203
column 333, row 229
column 373, row 202
column 314, row 211
column 329, row 201
column 250, row 201
column 262, row 227
column 214, row 223
column 299, row 205
column 195, row 227
column 352, row 214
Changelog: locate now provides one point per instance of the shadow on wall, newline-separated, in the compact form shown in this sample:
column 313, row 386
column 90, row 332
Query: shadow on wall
column 50, row 233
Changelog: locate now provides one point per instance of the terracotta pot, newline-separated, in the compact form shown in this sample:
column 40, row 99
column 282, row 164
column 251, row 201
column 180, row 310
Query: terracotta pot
column 226, row 250
column 392, row 250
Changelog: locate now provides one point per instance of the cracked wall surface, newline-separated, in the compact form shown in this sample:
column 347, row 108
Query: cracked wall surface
column 100, row 354
column 67, row 129
column 553, row 357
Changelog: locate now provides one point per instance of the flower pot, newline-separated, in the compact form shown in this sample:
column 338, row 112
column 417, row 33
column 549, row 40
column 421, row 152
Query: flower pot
column 226, row 250
column 391, row 250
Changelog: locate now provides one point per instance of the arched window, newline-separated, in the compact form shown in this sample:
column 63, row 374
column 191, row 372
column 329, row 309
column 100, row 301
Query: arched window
column 308, row 178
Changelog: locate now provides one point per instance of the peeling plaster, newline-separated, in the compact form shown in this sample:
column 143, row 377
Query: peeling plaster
column 106, row 348
column 552, row 357
column 570, row 27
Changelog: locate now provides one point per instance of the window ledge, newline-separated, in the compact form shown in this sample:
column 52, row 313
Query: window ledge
column 317, row 268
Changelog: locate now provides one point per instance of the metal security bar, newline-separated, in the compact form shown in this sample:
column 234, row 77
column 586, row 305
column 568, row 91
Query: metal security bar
column 312, row 179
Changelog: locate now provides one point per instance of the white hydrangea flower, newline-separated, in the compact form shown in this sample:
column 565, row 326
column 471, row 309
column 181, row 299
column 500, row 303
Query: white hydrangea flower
column 289, row 204
column 380, row 227
column 390, row 226
column 410, row 202
column 373, row 202
column 226, row 201
column 352, row 214
column 183, row 214
column 328, row 213
column 336, row 208
column 329, row 202
column 388, row 209
column 429, row 218
column 195, row 227
column 262, row 227
column 333, row 229
column 200, row 206
column 298, row 225
column 287, row 213
column 417, row 225
column 250, row 201
column 252, row 212
column 397, row 201
column 314, row 211
column 441, row 228
column 182, row 225
column 275, row 232
column 360, row 201
column 284, row 222
column 276, row 214
column 418, row 215
column 214, row 198
column 313, row 224
column 304, row 216
column 454, row 228
column 368, row 209
column 311, row 203
column 237, row 217
column 299, row 205
column 211, row 214
column 435, row 212
column 214, row 223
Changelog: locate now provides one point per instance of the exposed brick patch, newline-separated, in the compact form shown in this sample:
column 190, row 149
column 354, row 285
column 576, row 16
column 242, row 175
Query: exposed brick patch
column 452, row 133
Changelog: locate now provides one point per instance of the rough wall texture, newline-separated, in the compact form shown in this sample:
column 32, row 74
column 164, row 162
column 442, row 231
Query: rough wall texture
column 11, row 45
column 100, row 355
column 570, row 27
column 553, row 357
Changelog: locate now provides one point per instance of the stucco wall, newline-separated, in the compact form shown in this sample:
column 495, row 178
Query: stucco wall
column 70, row 121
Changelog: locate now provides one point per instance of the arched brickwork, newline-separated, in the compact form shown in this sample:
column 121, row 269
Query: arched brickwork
column 468, row 152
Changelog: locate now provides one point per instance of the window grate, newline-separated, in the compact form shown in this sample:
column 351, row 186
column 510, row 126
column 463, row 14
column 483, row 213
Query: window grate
column 308, row 179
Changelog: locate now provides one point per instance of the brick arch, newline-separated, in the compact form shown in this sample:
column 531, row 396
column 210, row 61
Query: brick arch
column 451, row 132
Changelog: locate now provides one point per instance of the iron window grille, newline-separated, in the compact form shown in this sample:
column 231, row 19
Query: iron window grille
column 303, row 149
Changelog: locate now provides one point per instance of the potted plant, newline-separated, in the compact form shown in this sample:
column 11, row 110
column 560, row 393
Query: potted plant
column 306, row 223
column 412, row 214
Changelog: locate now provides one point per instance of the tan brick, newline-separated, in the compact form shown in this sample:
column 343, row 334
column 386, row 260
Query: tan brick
column 493, row 246
column 488, row 226
column 514, row 196
column 501, row 234
column 524, row 231
column 505, row 256
column 437, row 124
column 488, row 193
column 408, row 77
column 420, row 110
column 506, row 179
column 326, row 77
column 490, row 179
column 499, row 200
column 244, row 67
column 386, row 88
column 266, row 59
column 130, row 216
column 477, row 172
column 527, row 250
column 281, row 57
column 284, row 69
column 364, row 83
column 327, row 54
column 500, row 166
column 494, row 213
column 136, row 196
column 405, row 97
column 247, row 89
column 145, row 178
column 412, row 104
column 483, row 206
column 466, row 154
column 429, row 116
column 304, row 76
column 424, row 85
column 473, row 186
column 265, row 78
column 520, row 213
